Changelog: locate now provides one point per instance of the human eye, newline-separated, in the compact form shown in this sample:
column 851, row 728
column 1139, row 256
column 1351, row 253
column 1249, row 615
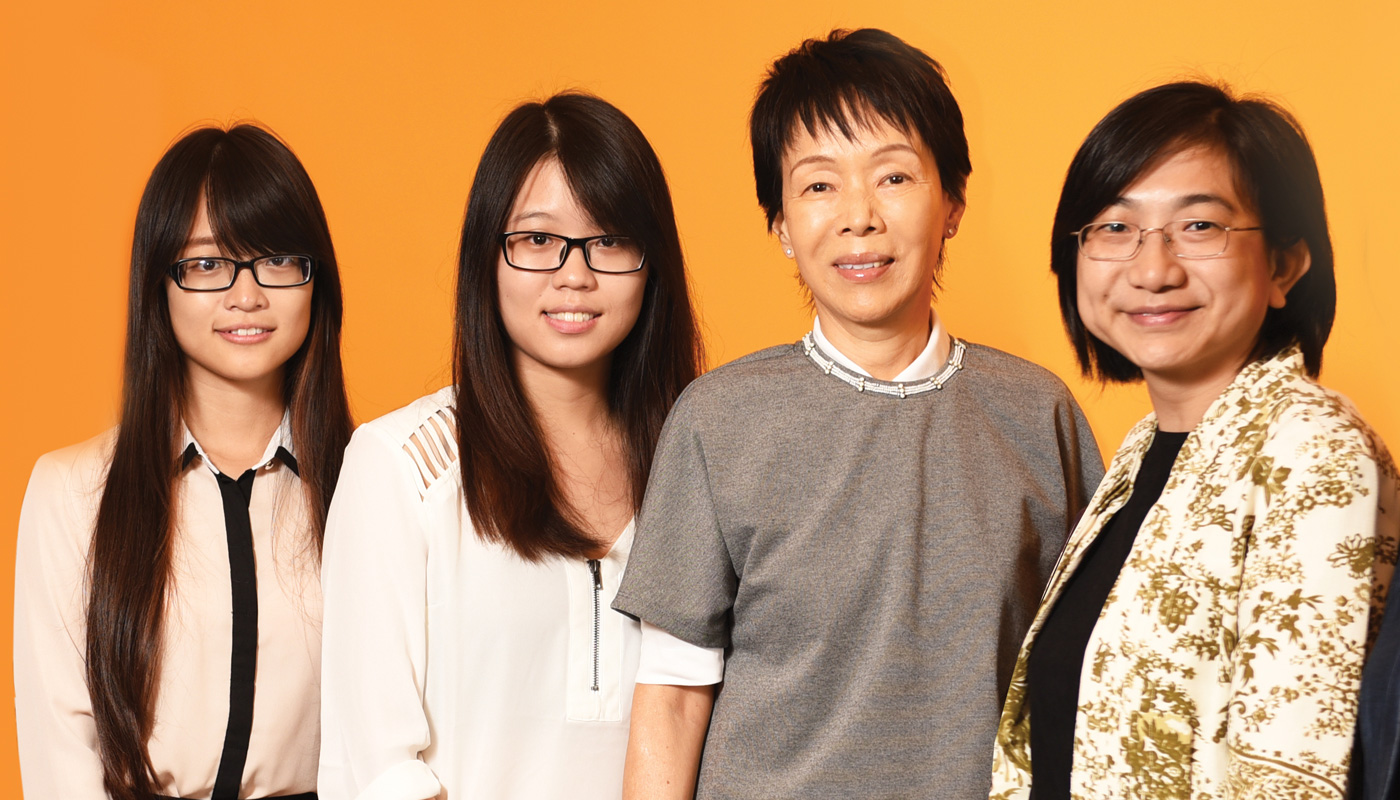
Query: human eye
column 1200, row 226
column 1112, row 228
column 819, row 187
column 204, row 265
column 539, row 239
column 1205, row 231
column 897, row 179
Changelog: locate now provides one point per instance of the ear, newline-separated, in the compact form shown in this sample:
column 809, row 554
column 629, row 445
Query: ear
column 954, row 216
column 779, row 230
column 1289, row 267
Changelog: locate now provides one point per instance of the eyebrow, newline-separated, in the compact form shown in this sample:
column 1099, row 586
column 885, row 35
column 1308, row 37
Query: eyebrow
column 821, row 158
column 201, row 241
column 1184, row 201
column 531, row 215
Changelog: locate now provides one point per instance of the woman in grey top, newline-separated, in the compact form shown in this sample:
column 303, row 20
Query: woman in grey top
column 852, row 531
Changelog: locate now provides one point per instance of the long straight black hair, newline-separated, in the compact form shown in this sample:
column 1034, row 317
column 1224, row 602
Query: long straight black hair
column 259, row 200
column 507, row 477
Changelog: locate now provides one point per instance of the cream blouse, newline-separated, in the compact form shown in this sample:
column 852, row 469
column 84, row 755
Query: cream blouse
column 272, row 722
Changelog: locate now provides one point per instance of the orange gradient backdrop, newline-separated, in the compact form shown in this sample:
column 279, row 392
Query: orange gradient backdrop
column 390, row 105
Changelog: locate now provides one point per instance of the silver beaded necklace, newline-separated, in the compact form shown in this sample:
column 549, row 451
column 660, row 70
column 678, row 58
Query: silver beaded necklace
column 900, row 390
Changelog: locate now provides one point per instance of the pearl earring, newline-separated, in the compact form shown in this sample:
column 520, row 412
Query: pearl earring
column 788, row 251
column 952, row 231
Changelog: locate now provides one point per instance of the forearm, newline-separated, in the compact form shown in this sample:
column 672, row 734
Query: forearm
column 667, row 734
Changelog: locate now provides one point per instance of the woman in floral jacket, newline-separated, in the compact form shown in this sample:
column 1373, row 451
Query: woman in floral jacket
column 1204, row 632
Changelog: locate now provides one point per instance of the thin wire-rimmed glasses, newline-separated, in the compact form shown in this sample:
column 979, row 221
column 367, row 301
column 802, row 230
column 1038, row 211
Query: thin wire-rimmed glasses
column 209, row 274
column 538, row 251
column 1185, row 238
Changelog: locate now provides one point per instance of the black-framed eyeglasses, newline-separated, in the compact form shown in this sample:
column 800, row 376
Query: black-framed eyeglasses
column 538, row 251
column 210, row 274
column 1185, row 238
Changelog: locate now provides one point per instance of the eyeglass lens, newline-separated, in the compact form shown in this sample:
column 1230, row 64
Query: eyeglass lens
column 1191, row 238
column 541, row 251
column 219, row 273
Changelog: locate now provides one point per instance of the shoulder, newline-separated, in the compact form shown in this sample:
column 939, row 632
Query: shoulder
column 745, row 394
column 64, row 492
column 999, row 374
column 1304, row 418
column 419, row 439
column 78, row 468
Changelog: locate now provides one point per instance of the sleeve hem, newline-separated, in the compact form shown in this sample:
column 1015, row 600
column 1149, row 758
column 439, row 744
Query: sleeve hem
column 407, row 780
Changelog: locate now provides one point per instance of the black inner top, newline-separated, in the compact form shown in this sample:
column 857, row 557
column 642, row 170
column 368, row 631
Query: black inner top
column 1057, row 655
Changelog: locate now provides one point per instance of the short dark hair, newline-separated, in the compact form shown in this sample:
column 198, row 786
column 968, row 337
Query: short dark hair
column 836, row 83
column 1275, row 174
column 507, row 474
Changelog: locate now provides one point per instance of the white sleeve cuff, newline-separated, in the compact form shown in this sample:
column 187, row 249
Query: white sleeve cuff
column 407, row 780
column 670, row 661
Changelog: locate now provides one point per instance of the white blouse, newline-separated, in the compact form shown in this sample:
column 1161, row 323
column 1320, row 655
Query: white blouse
column 454, row 668
column 193, row 715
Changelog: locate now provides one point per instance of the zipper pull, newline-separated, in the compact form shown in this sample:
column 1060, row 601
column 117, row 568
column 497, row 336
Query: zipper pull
column 596, row 567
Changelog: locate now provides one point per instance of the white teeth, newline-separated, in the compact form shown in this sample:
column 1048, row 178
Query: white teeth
column 570, row 316
column 247, row 331
column 871, row 265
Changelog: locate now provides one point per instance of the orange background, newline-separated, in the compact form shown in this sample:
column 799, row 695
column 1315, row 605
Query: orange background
column 389, row 110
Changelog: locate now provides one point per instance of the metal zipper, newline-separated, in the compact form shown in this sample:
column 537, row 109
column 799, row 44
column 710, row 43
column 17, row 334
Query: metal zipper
column 595, row 567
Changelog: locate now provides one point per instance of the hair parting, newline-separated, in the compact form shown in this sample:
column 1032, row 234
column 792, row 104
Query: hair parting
column 507, row 475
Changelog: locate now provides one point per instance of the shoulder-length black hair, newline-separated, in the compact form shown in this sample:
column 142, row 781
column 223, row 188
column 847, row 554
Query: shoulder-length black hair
column 1275, row 174
column 507, row 476
column 835, row 84
column 259, row 200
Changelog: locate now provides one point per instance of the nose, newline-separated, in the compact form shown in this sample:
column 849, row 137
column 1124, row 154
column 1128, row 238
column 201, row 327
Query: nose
column 245, row 294
column 859, row 214
column 575, row 274
column 1155, row 268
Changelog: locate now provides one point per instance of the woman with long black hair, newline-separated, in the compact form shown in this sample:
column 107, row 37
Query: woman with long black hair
column 479, row 534
column 167, row 599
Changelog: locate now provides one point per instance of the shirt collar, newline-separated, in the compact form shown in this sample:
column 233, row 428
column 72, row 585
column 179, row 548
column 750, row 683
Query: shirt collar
column 925, row 366
column 278, row 448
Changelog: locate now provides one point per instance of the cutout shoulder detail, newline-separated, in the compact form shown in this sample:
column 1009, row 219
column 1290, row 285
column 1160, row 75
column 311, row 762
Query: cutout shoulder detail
column 433, row 447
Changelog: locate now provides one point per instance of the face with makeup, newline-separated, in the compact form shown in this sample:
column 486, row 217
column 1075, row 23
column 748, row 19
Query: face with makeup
column 1186, row 322
column 865, row 218
column 243, row 335
column 572, row 318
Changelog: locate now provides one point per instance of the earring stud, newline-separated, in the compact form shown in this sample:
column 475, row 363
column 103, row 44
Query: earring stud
column 788, row 251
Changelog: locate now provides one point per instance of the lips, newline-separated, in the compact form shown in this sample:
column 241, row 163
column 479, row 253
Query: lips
column 1158, row 315
column 245, row 334
column 862, row 266
column 572, row 321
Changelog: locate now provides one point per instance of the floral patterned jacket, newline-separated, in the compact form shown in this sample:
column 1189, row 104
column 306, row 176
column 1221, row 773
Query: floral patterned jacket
column 1227, row 659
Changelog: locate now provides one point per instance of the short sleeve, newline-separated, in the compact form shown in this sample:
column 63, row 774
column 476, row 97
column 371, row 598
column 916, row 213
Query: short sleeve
column 669, row 661
column 680, row 576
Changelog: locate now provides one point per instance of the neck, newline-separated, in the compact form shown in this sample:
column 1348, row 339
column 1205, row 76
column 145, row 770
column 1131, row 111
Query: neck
column 883, row 350
column 568, row 403
column 1180, row 405
column 233, row 422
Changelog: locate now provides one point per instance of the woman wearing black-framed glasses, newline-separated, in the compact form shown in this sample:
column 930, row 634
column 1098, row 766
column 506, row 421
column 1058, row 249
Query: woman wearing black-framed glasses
column 167, row 634
column 479, row 534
